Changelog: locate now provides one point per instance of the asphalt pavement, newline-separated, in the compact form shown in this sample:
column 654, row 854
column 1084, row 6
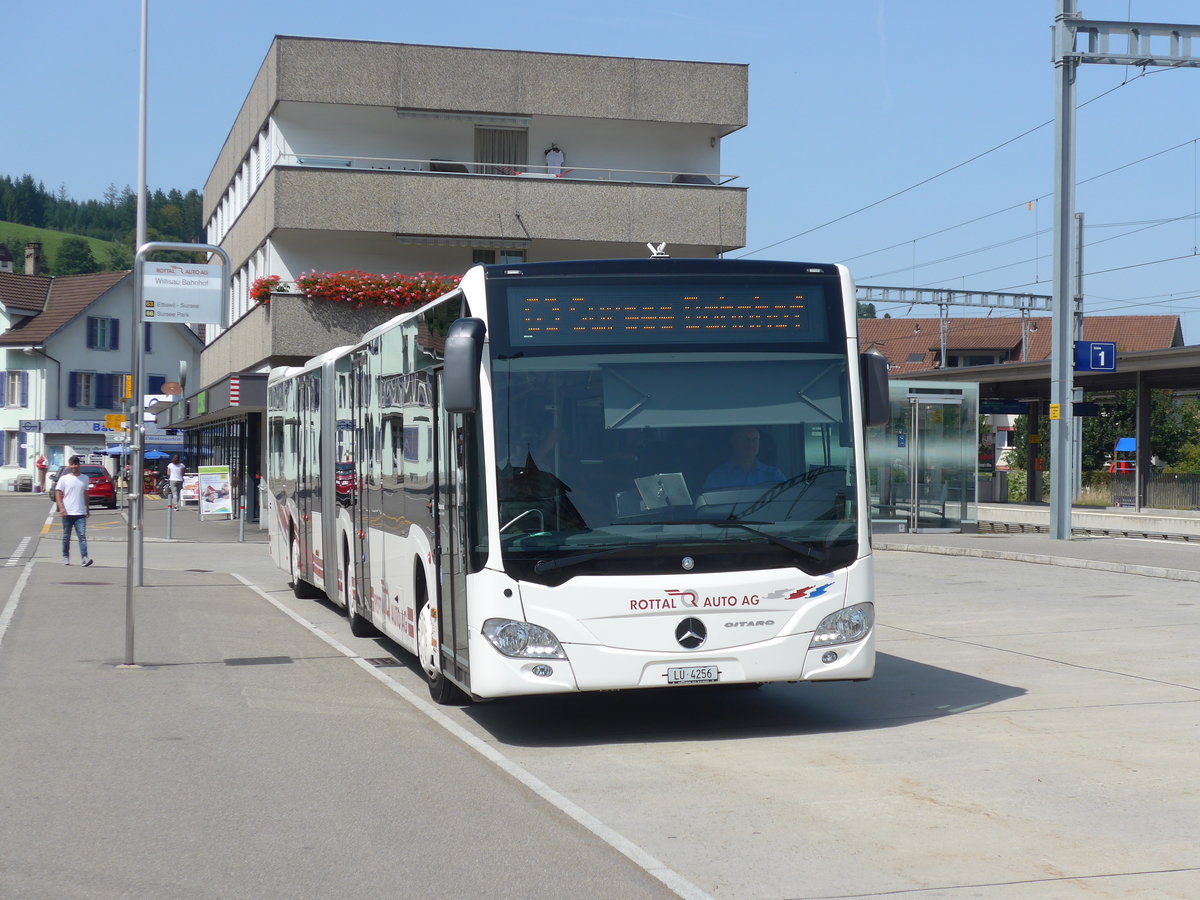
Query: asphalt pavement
column 209, row 768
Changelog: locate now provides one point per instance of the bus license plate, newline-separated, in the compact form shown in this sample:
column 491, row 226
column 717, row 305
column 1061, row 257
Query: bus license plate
column 692, row 675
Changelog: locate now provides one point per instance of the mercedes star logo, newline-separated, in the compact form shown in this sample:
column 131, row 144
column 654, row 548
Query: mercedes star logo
column 690, row 633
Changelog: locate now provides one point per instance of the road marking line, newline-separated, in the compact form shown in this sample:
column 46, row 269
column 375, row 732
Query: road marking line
column 10, row 608
column 15, row 559
column 652, row 866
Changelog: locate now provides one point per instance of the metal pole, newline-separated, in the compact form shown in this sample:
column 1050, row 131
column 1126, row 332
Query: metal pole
column 943, row 327
column 1077, row 394
column 1062, row 358
column 133, row 561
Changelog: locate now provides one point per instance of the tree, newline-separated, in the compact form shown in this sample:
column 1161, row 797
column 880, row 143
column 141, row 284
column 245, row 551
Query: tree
column 1174, row 424
column 75, row 258
column 866, row 310
column 119, row 258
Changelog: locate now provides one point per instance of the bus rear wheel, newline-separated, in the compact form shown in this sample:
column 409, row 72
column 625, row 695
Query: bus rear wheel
column 441, row 689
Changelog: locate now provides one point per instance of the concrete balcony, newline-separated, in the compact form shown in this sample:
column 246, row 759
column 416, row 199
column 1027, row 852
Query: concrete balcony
column 527, row 207
column 289, row 331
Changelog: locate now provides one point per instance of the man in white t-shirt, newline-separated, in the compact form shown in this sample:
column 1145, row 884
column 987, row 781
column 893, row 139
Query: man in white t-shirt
column 175, row 480
column 70, row 492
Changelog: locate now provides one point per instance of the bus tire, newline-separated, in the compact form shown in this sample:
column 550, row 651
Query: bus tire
column 301, row 588
column 441, row 689
column 360, row 626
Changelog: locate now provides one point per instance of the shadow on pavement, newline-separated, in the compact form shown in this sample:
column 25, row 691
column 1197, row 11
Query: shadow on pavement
column 903, row 692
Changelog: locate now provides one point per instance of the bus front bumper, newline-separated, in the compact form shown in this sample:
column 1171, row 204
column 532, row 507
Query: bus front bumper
column 590, row 667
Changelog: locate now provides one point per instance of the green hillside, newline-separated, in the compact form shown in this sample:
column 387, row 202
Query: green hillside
column 15, row 237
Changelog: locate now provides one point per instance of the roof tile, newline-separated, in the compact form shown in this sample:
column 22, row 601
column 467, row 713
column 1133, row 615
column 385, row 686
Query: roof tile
column 914, row 345
column 65, row 298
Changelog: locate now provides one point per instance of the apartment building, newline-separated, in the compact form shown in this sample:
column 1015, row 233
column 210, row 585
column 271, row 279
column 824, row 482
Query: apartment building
column 413, row 158
column 400, row 157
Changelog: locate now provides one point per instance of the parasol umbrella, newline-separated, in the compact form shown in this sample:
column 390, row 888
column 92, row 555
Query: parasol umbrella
column 116, row 450
column 157, row 454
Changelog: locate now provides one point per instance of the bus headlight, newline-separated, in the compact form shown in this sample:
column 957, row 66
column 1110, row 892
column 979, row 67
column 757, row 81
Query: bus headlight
column 522, row 639
column 844, row 626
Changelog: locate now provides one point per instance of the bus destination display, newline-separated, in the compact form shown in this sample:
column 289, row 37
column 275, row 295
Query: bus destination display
column 612, row 315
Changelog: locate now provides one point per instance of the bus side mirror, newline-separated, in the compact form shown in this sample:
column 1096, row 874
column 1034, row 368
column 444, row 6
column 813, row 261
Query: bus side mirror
column 464, row 354
column 873, row 369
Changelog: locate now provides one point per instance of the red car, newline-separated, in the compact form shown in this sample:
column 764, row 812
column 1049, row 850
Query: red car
column 344, row 483
column 101, row 489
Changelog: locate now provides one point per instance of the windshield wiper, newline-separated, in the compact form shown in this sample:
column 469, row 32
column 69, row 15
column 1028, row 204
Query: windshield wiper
column 805, row 478
column 806, row 552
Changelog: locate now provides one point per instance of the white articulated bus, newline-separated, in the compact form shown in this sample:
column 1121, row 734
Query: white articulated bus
column 577, row 476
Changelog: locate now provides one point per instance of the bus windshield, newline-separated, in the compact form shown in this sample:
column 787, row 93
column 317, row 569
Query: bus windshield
column 643, row 462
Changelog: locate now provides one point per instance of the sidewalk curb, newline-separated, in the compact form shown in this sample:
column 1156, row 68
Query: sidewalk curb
column 1041, row 559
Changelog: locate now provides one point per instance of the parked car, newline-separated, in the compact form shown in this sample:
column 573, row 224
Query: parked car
column 101, row 489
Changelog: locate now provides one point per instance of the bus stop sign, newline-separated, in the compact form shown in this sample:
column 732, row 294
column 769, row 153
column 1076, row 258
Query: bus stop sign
column 1095, row 356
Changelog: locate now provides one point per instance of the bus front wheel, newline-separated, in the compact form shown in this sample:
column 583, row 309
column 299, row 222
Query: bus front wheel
column 441, row 689
column 301, row 588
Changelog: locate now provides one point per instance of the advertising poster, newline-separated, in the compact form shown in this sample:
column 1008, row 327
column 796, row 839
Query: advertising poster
column 190, row 493
column 216, row 499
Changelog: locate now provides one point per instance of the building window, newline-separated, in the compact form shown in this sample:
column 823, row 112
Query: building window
column 89, row 390
column 83, row 389
column 506, row 149
column 972, row 359
column 14, row 455
column 14, row 391
column 102, row 333
column 503, row 257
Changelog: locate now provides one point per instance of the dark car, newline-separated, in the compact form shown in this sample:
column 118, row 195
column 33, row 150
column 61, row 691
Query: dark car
column 101, row 490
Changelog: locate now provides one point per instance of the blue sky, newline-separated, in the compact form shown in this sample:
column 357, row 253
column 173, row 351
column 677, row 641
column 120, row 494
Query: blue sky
column 851, row 101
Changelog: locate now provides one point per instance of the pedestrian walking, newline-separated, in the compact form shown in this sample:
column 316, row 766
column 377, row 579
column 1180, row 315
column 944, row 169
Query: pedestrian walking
column 175, row 481
column 71, row 493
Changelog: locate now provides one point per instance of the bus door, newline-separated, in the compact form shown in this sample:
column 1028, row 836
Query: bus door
column 362, row 475
column 451, row 529
column 305, row 492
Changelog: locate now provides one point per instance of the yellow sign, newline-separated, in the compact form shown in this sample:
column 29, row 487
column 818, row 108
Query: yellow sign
column 1035, row 438
column 128, row 386
column 115, row 421
column 1055, row 411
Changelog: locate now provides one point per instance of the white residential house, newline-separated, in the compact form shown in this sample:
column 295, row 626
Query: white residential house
column 64, row 354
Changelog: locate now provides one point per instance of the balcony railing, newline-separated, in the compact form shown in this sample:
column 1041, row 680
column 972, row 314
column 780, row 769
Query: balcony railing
column 463, row 167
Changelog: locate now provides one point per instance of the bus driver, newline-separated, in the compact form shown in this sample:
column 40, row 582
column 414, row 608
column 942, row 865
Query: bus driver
column 744, row 468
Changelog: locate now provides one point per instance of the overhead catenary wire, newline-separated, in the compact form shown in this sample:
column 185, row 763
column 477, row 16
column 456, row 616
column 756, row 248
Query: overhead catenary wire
column 942, row 173
column 1026, row 235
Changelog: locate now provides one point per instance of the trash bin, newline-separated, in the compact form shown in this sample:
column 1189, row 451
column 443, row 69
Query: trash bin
column 1000, row 487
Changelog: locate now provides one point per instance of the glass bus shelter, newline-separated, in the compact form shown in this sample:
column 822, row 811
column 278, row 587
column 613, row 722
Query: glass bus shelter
column 922, row 464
